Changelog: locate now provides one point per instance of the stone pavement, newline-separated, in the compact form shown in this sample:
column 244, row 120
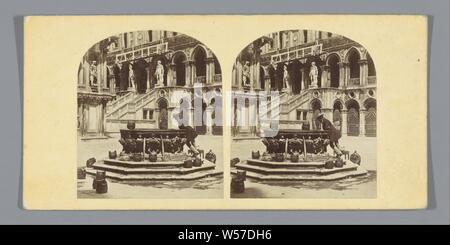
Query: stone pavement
column 357, row 187
column 365, row 146
column 210, row 187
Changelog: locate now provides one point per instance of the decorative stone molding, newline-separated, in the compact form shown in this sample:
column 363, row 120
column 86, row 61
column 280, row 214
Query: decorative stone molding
column 316, row 142
column 92, row 98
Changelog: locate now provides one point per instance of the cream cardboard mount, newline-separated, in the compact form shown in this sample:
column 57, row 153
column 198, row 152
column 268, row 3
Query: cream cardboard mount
column 113, row 62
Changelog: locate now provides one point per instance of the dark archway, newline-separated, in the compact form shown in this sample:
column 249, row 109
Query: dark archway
column 279, row 76
column 333, row 64
column 262, row 75
column 217, row 68
column 295, row 76
column 353, row 63
column 337, row 116
column 353, row 118
column 124, row 75
column 271, row 71
column 316, row 107
column 216, row 116
column 371, row 66
column 116, row 73
column 371, row 72
column 371, row 117
column 140, row 75
column 199, row 119
column 180, row 69
column 200, row 63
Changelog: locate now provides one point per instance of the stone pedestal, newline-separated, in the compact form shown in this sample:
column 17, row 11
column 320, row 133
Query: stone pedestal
column 298, row 155
column 154, row 155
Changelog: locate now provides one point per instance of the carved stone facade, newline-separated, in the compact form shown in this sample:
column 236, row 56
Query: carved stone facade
column 128, row 67
column 346, row 80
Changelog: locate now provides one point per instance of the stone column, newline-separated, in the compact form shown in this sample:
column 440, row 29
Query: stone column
column 131, row 81
column 208, row 121
column 99, row 76
column 86, row 74
column 207, row 73
column 148, row 79
column 104, row 76
column 252, row 77
column 83, row 118
column 170, row 76
column 363, row 72
column 112, row 83
column 362, row 120
column 210, row 70
column 303, row 81
column 233, row 77
column 193, row 73
column 239, row 74
column 342, row 74
column 344, row 122
column 256, row 77
column 325, row 76
column 267, row 83
column 188, row 67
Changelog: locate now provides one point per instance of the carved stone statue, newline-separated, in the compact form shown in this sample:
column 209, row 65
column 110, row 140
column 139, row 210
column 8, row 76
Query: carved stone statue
column 131, row 80
column 168, row 147
column 93, row 73
column 313, row 74
column 153, row 144
column 287, row 80
column 159, row 73
column 246, row 74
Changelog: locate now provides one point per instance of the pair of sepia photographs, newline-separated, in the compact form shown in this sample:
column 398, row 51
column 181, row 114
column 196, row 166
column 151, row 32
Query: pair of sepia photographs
column 168, row 112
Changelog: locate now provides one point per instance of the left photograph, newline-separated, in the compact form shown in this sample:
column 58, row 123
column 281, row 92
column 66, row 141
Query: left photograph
column 149, row 119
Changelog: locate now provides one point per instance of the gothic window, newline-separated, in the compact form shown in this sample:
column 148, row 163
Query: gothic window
column 353, row 61
column 370, row 66
column 150, row 36
column 333, row 64
column 125, row 40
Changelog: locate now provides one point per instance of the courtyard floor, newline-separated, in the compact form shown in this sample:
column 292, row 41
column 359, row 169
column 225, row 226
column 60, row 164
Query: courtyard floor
column 359, row 187
column 211, row 187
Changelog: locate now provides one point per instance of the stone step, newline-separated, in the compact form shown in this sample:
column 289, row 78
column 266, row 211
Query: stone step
column 299, row 177
column 349, row 166
column 285, row 164
column 143, row 164
column 128, row 171
column 157, row 177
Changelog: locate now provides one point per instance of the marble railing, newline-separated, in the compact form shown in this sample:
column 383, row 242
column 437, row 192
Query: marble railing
column 119, row 102
column 354, row 81
column 200, row 79
column 218, row 78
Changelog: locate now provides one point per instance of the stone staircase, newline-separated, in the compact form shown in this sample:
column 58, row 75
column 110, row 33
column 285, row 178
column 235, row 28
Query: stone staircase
column 114, row 105
column 152, row 171
column 287, row 104
column 126, row 106
column 301, row 171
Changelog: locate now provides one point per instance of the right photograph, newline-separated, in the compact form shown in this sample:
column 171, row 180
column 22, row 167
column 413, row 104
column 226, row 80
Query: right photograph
column 304, row 118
